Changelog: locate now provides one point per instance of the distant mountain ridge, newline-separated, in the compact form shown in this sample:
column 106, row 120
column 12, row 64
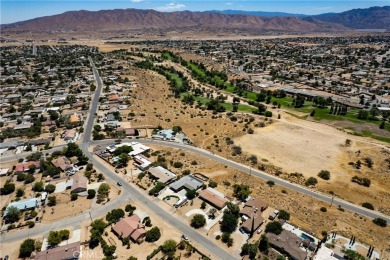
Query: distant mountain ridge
column 126, row 19
column 369, row 18
column 258, row 13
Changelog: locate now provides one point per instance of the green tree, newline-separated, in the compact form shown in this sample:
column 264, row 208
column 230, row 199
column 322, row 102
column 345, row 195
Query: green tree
column 368, row 205
column 263, row 244
column 311, row 181
column 52, row 201
column 229, row 222
column 274, row 227
column 74, row 196
column 169, row 247
column 104, row 190
column 249, row 249
column 38, row 186
column 380, row 222
column 19, row 192
column 50, row 188
column 324, row 175
column 191, row 194
column 123, row 159
column 284, row 215
column 13, row 214
column 91, row 194
column 130, row 209
column 198, row 221
column 353, row 255
column 241, row 191
column 115, row 215
column 26, row 248
column 29, row 178
column 153, row 234
column 8, row 188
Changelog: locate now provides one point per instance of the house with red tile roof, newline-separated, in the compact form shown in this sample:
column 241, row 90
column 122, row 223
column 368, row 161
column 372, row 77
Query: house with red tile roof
column 130, row 227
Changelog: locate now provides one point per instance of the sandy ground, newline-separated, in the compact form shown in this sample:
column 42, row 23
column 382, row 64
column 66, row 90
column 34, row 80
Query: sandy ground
column 294, row 148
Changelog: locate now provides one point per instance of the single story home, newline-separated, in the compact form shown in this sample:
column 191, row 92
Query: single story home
column 253, row 205
column 130, row 227
column 255, row 221
column 70, row 252
column 161, row 174
column 26, row 204
column 25, row 166
column 63, row 163
column 80, row 183
column 70, row 134
column 288, row 243
column 213, row 197
column 187, row 182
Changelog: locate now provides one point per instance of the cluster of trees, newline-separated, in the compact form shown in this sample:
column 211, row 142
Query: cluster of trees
column 198, row 221
column 115, row 215
column 230, row 218
column 157, row 188
column 338, row 109
column 56, row 237
column 241, row 191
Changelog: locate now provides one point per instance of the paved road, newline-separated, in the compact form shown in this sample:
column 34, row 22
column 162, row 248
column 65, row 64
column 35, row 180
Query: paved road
column 94, row 104
column 262, row 175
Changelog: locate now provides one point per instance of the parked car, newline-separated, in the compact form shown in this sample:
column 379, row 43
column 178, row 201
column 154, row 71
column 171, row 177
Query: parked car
column 184, row 237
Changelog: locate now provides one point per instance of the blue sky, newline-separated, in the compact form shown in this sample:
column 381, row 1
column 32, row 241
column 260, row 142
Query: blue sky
column 20, row 10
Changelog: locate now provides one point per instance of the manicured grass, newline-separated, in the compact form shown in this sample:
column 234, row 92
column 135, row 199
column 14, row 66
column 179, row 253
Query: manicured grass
column 196, row 69
column 167, row 56
column 377, row 137
column 227, row 106
column 175, row 77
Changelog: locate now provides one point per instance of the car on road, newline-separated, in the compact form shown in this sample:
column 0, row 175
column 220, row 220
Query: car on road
column 184, row 237
column 119, row 184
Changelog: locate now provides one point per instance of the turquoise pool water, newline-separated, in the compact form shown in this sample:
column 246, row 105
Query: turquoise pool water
column 304, row 236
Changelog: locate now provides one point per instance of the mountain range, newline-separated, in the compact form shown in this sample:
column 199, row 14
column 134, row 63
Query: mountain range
column 127, row 19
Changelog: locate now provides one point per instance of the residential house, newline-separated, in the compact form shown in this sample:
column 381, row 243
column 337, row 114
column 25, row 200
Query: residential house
column 80, row 183
column 130, row 227
column 75, row 119
column 130, row 132
column 213, row 197
column 63, row 163
column 161, row 174
column 113, row 98
column 21, row 205
column 23, row 126
column 70, row 135
column 26, row 166
column 288, row 243
column 187, row 182
column 253, row 205
column 68, row 252
column 142, row 162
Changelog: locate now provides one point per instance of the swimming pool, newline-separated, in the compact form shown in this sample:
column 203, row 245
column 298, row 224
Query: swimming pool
column 304, row 236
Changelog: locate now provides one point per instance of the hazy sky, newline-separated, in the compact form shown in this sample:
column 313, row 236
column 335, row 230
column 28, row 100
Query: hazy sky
column 20, row 10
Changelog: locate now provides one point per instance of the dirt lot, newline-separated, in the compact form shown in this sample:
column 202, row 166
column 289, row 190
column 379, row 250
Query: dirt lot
column 308, row 147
